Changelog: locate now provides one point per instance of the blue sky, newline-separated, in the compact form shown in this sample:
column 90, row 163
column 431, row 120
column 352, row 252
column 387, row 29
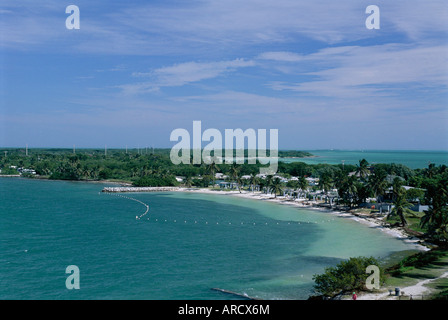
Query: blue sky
column 137, row 70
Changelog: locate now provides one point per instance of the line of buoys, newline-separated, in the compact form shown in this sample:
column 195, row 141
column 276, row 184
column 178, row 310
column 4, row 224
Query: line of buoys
column 129, row 198
column 217, row 223
column 246, row 223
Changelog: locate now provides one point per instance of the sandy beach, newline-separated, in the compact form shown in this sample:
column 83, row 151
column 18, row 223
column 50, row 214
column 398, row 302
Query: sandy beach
column 416, row 291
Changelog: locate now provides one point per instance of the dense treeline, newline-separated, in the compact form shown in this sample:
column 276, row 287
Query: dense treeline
column 94, row 164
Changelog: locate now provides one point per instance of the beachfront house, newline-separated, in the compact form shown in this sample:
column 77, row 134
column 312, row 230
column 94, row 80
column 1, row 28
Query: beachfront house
column 312, row 181
column 220, row 176
column 26, row 171
column 228, row 185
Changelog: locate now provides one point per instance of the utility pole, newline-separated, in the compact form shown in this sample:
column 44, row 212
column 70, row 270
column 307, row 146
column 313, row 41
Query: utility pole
column 74, row 149
column 6, row 152
column 105, row 150
column 26, row 150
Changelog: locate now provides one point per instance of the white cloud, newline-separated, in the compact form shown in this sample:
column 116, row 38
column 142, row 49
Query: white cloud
column 184, row 73
column 208, row 25
column 281, row 56
column 375, row 70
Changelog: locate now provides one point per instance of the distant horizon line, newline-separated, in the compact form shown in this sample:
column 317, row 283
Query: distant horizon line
column 168, row 148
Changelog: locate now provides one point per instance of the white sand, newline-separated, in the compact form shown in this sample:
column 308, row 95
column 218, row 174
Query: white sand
column 416, row 290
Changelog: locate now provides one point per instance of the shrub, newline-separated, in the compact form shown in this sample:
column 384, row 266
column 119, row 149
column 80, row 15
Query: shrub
column 417, row 260
column 349, row 275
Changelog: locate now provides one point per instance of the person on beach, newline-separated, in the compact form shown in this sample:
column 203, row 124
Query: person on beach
column 354, row 296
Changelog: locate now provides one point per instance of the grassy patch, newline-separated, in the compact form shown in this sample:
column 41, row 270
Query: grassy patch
column 413, row 220
column 421, row 266
column 419, row 260
column 442, row 295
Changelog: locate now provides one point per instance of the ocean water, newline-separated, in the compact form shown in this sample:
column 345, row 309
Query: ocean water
column 412, row 159
column 184, row 246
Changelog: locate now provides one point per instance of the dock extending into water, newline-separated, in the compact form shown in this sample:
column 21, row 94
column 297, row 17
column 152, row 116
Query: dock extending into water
column 139, row 189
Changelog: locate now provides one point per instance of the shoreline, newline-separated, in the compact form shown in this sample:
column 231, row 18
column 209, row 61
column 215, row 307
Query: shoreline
column 372, row 222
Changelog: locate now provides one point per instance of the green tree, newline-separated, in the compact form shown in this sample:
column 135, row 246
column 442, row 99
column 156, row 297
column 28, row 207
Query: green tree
column 348, row 276
column 268, row 182
column 303, row 185
column 253, row 181
column 276, row 186
column 211, row 169
column 188, row 181
column 436, row 218
column 325, row 182
column 350, row 190
column 401, row 205
column 362, row 169
column 378, row 183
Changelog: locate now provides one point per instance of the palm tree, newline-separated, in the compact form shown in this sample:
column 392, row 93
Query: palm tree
column 340, row 182
column 268, row 182
column 239, row 181
column 303, row 185
column 253, row 181
column 188, row 181
column 276, row 186
column 351, row 189
column 436, row 218
column 401, row 205
column 378, row 184
column 431, row 170
column 325, row 182
column 234, row 173
column 396, row 187
column 294, row 184
column 212, row 168
column 362, row 169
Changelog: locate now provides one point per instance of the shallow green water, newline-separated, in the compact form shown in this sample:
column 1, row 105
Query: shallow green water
column 190, row 244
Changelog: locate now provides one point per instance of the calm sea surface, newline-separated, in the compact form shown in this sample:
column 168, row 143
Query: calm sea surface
column 412, row 159
column 190, row 244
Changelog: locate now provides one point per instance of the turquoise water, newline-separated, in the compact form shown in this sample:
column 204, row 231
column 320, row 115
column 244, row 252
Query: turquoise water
column 412, row 159
column 190, row 244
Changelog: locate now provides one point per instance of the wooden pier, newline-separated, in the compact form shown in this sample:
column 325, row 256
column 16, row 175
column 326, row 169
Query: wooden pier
column 139, row 189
